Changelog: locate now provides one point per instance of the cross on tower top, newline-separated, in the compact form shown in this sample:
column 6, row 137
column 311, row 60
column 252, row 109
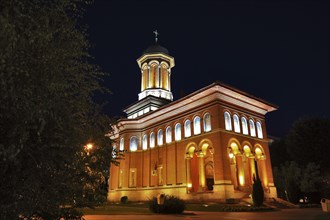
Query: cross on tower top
column 156, row 35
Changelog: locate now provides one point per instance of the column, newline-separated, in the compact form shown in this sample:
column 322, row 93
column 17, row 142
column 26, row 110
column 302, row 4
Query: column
column 240, row 170
column 189, row 182
column 201, row 172
column 263, row 173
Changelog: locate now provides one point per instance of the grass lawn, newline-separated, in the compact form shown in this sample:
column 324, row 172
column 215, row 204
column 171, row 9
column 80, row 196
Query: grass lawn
column 118, row 209
column 143, row 208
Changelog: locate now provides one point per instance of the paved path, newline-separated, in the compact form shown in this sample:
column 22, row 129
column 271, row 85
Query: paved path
column 284, row 214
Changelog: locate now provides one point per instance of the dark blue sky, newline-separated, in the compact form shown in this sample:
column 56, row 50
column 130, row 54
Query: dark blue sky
column 274, row 50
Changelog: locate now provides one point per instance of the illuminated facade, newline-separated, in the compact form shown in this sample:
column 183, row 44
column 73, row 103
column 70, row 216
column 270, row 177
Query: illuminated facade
column 204, row 146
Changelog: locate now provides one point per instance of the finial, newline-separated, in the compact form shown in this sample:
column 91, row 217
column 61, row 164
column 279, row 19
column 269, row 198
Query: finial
column 156, row 35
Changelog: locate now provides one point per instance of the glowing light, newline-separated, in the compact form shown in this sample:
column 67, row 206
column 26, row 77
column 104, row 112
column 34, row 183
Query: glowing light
column 241, row 180
column 89, row 146
column 189, row 185
column 231, row 155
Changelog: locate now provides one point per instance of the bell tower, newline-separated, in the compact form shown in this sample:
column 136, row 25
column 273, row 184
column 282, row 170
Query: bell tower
column 155, row 64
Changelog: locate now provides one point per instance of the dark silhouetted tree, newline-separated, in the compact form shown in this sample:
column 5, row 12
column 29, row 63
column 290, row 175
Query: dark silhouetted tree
column 47, row 113
column 308, row 141
column 257, row 190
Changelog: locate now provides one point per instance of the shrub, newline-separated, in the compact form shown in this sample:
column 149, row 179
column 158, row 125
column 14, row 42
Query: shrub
column 172, row 205
column 257, row 192
column 124, row 200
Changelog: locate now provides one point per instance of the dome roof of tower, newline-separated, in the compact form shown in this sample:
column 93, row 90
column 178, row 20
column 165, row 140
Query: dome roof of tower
column 156, row 48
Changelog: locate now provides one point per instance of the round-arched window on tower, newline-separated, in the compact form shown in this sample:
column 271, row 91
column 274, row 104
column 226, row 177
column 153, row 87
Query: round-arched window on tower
column 133, row 144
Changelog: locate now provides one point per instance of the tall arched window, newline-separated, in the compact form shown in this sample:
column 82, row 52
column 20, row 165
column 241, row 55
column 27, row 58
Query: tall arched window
column 168, row 134
column 227, row 121
column 252, row 128
column 236, row 124
column 259, row 130
column 133, row 144
column 160, row 137
column 114, row 154
column 187, row 128
column 152, row 140
column 207, row 122
column 121, row 145
column 177, row 132
column 145, row 142
column 197, row 125
column 244, row 126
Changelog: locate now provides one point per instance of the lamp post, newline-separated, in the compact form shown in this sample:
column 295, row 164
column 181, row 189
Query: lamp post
column 88, row 147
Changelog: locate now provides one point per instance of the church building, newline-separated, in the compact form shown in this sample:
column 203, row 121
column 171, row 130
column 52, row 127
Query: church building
column 205, row 146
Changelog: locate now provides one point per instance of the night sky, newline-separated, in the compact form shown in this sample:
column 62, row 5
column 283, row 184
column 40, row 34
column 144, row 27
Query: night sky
column 275, row 50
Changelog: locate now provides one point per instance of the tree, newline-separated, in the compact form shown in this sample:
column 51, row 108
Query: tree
column 309, row 141
column 287, row 178
column 257, row 189
column 294, row 181
column 47, row 114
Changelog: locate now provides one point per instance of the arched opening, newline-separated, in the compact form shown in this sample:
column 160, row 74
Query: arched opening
column 192, row 169
column 248, row 161
column 261, row 164
column 236, row 164
column 200, row 167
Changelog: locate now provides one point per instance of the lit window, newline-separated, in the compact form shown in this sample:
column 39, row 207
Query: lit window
column 168, row 134
column 133, row 144
column 177, row 132
column 160, row 137
column 197, row 125
column 252, row 128
column 114, row 154
column 187, row 129
column 207, row 122
column 259, row 129
column 145, row 142
column 236, row 124
column 227, row 121
column 244, row 126
column 152, row 140
column 121, row 145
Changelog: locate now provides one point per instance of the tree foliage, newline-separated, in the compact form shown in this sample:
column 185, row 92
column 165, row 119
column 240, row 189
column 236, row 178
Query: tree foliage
column 257, row 190
column 309, row 141
column 293, row 180
column 47, row 114
column 300, row 160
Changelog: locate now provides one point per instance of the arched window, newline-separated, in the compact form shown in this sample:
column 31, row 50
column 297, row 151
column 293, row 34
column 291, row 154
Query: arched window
column 227, row 121
column 152, row 140
column 244, row 126
column 197, row 125
column 145, row 142
column 252, row 128
column 133, row 144
column 177, row 132
column 121, row 145
column 168, row 134
column 259, row 130
column 236, row 124
column 207, row 122
column 160, row 137
column 187, row 128
column 114, row 148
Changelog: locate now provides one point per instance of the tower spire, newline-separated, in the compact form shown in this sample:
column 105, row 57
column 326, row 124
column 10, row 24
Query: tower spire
column 156, row 35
